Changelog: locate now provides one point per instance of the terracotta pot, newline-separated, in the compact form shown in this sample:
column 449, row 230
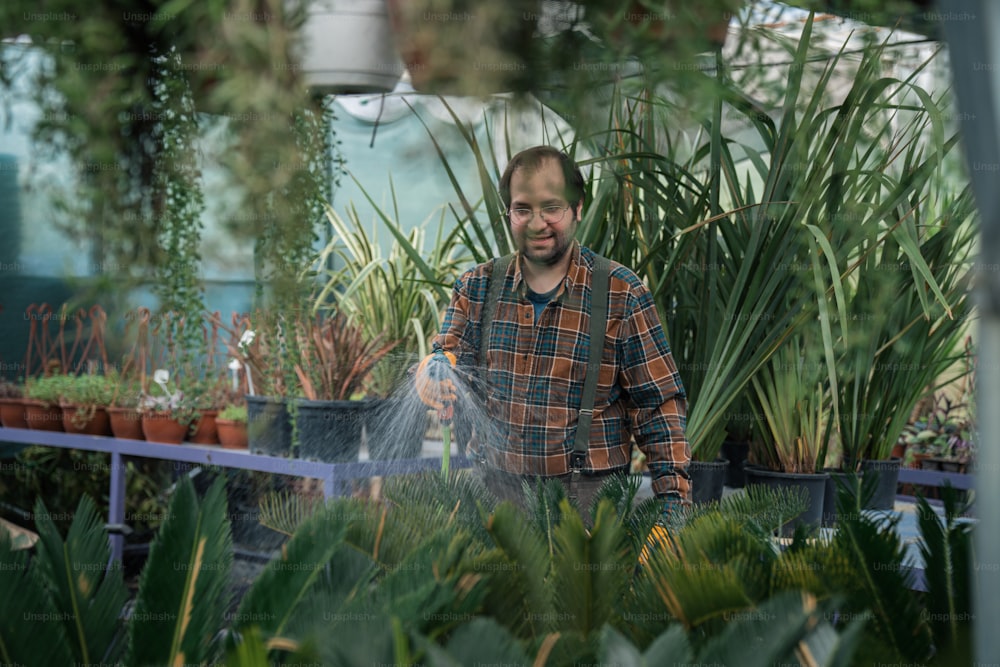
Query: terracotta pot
column 12, row 413
column 206, row 432
column 98, row 424
column 918, row 461
column 232, row 433
column 126, row 423
column 42, row 416
column 162, row 427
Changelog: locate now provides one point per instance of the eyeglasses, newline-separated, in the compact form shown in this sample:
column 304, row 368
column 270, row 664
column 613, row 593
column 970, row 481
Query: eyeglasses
column 549, row 214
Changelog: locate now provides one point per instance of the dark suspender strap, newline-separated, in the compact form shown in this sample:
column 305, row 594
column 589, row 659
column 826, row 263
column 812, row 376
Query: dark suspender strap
column 494, row 283
column 598, row 329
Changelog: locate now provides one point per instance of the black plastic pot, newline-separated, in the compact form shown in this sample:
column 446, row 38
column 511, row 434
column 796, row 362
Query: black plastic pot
column 836, row 479
column 887, row 473
column 813, row 483
column 386, row 441
column 269, row 429
column 735, row 452
column 707, row 480
column 330, row 431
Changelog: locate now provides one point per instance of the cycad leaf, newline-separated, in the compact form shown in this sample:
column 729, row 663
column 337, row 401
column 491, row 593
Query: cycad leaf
column 272, row 600
column 27, row 614
column 182, row 596
column 670, row 648
column 592, row 570
column 946, row 549
column 480, row 641
column 525, row 600
column 779, row 630
column 87, row 595
column 880, row 582
column 285, row 512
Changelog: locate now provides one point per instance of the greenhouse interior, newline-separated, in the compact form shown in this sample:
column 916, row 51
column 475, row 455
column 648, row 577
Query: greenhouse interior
column 270, row 388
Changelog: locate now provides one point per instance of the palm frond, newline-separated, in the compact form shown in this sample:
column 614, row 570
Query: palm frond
column 946, row 550
column 183, row 596
column 790, row 626
column 671, row 647
column 274, row 596
column 87, row 594
column 285, row 512
column 478, row 640
column 523, row 560
column 27, row 612
column 877, row 580
column 592, row 569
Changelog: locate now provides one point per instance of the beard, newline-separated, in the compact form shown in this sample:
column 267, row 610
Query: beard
column 553, row 246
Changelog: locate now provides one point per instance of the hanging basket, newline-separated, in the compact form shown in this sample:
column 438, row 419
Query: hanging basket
column 349, row 48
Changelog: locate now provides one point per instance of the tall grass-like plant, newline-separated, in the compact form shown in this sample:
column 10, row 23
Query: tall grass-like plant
column 794, row 402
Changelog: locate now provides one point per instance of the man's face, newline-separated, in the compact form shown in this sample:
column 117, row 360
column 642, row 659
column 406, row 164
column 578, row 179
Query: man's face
column 541, row 242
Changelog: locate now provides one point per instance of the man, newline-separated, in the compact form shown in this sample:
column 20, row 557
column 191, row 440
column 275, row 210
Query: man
column 536, row 359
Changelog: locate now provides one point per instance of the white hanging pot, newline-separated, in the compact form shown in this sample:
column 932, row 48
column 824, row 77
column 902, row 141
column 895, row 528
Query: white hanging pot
column 348, row 48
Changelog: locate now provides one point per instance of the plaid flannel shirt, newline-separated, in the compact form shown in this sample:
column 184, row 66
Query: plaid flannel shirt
column 535, row 375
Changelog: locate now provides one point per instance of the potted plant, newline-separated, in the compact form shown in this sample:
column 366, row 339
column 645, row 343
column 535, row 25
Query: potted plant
column 208, row 397
column 124, row 411
column 166, row 416
column 260, row 359
column 348, row 48
column 41, row 402
column 942, row 440
column 84, row 403
column 232, row 425
column 791, row 438
column 12, row 405
column 336, row 359
column 386, row 295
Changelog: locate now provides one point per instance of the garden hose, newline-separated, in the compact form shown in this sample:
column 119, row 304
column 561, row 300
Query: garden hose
column 436, row 389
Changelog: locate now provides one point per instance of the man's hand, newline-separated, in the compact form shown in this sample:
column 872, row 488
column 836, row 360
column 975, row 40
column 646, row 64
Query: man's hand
column 433, row 379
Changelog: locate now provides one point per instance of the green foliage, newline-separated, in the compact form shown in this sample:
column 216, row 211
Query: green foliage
column 794, row 404
column 63, row 476
column 458, row 581
column 90, row 389
column 24, row 607
column 88, row 599
column 948, row 556
column 182, row 590
column 48, row 390
column 388, row 297
column 236, row 413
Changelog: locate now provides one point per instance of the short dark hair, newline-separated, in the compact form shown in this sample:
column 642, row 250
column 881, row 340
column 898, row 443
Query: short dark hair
column 532, row 158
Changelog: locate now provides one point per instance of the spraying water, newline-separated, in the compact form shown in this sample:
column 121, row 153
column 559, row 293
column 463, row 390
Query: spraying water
column 404, row 418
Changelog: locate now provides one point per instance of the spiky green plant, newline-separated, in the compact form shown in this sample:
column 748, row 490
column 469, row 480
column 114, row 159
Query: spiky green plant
column 387, row 295
column 183, row 595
